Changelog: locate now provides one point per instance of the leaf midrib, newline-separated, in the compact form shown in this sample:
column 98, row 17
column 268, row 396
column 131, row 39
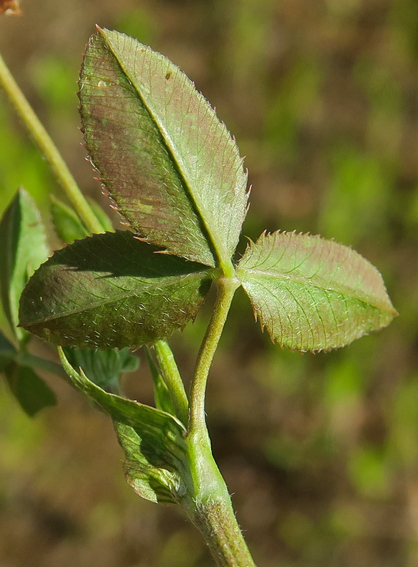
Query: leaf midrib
column 363, row 297
column 175, row 156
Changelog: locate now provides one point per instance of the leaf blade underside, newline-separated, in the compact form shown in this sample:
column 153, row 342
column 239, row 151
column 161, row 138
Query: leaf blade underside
column 153, row 440
column 112, row 290
column 169, row 164
column 311, row 293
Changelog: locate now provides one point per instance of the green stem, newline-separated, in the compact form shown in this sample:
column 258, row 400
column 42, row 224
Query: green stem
column 226, row 289
column 48, row 149
column 172, row 380
column 216, row 521
column 209, row 506
column 208, row 503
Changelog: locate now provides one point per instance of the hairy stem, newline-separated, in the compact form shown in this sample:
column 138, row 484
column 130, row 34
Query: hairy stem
column 216, row 521
column 209, row 504
column 48, row 149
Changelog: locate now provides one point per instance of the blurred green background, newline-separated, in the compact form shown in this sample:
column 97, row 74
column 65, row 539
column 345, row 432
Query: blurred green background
column 320, row 451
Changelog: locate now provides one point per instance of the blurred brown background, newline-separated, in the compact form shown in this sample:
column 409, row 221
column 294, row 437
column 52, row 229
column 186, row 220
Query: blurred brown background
column 320, row 451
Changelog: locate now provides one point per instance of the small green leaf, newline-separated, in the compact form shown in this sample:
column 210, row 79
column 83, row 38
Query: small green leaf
column 7, row 352
column 23, row 248
column 103, row 367
column 153, row 441
column 30, row 391
column 101, row 216
column 128, row 361
column 112, row 290
column 311, row 293
column 150, row 468
column 169, row 164
column 67, row 224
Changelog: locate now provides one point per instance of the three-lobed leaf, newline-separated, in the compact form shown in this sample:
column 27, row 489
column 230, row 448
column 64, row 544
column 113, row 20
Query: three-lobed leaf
column 177, row 178
column 112, row 290
column 169, row 164
column 311, row 293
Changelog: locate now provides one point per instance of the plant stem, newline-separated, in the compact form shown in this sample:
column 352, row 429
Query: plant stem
column 216, row 521
column 226, row 290
column 48, row 149
column 209, row 504
column 172, row 380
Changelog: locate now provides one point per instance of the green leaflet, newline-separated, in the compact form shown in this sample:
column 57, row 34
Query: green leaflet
column 169, row 164
column 23, row 248
column 29, row 390
column 153, row 441
column 311, row 293
column 112, row 290
column 67, row 223
column 150, row 469
column 103, row 367
column 7, row 352
column 101, row 216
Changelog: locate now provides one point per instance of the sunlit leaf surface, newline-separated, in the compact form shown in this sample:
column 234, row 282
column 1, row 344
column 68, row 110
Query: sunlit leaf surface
column 311, row 293
column 169, row 164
